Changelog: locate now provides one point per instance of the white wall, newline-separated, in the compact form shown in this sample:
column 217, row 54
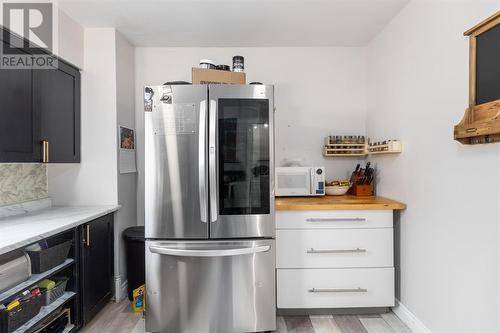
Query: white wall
column 94, row 180
column 127, row 183
column 450, row 236
column 70, row 40
column 318, row 91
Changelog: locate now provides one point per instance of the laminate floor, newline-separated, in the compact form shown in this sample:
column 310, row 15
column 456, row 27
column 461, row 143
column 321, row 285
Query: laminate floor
column 119, row 318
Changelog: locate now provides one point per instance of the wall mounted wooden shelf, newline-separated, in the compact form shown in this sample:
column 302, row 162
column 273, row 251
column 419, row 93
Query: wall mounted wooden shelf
column 481, row 122
column 385, row 147
column 334, row 147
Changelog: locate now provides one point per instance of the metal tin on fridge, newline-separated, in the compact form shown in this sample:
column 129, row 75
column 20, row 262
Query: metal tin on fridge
column 238, row 64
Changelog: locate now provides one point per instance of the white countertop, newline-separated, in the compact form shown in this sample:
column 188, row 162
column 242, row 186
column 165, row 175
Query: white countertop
column 21, row 230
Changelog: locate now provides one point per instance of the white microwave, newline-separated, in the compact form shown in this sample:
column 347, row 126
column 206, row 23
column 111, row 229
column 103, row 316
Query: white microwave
column 300, row 181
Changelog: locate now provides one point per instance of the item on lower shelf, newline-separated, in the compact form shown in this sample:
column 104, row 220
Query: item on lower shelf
column 46, row 284
column 45, row 259
column 13, row 304
column 41, row 245
column 56, row 323
column 12, row 320
column 57, row 291
column 35, row 292
column 15, row 268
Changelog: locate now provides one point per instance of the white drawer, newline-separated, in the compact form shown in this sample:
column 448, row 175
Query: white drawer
column 335, row 288
column 334, row 248
column 330, row 219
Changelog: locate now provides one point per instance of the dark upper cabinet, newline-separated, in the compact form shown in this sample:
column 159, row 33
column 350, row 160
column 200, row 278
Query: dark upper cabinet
column 57, row 95
column 40, row 105
column 96, row 266
column 19, row 120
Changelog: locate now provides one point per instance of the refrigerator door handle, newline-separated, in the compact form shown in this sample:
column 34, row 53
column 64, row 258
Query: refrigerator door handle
column 202, row 176
column 208, row 253
column 212, row 159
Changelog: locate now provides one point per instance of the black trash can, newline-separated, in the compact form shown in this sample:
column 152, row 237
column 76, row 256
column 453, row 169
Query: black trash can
column 135, row 256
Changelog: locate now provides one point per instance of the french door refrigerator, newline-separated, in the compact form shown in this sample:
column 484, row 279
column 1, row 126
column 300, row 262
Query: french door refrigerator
column 209, row 208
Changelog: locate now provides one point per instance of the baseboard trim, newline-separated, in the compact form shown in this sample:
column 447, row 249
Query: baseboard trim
column 409, row 319
column 124, row 289
column 117, row 287
column 330, row 311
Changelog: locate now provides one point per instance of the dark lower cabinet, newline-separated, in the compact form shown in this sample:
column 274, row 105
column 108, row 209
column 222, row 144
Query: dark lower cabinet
column 96, row 266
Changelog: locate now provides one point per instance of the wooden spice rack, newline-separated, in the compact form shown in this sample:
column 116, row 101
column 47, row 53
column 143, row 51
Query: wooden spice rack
column 385, row 147
column 356, row 147
column 333, row 148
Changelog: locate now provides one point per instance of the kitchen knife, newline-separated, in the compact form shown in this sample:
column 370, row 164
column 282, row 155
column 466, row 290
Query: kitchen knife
column 372, row 176
column 355, row 175
column 368, row 174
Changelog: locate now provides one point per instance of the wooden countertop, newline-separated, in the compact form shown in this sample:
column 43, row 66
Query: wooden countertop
column 344, row 202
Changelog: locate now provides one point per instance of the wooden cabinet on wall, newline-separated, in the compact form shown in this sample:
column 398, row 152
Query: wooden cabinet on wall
column 40, row 105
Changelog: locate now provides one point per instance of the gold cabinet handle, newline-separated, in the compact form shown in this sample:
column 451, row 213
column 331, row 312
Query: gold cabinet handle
column 87, row 242
column 45, row 151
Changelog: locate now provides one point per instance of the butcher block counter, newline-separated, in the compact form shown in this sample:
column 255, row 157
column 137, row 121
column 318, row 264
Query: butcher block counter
column 344, row 202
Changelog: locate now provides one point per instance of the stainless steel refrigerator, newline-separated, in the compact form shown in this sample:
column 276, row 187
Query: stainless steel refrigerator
column 209, row 208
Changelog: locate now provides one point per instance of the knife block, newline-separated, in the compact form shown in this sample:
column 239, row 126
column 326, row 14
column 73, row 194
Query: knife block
column 362, row 190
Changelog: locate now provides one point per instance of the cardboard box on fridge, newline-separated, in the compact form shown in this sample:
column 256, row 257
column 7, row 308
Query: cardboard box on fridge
column 209, row 76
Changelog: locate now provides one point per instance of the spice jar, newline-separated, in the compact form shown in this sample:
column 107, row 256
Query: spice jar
column 238, row 64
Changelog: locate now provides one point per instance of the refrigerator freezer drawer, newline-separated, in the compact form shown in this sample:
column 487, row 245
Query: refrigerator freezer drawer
column 210, row 286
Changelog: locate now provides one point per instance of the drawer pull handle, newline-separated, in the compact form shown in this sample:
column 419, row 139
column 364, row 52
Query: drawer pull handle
column 45, row 151
column 337, row 290
column 337, row 219
column 356, row 250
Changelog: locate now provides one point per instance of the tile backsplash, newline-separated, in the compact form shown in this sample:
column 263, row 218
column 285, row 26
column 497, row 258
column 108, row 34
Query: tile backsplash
column 22, row 182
